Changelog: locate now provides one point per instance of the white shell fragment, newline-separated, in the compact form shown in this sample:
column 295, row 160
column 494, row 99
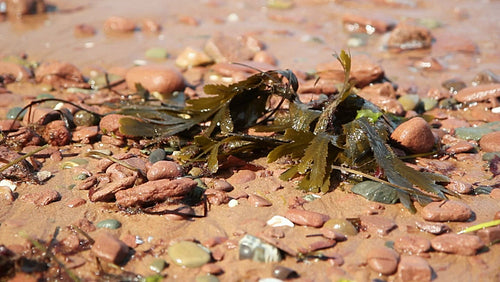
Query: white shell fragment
column 278, row 221
column 233, row 203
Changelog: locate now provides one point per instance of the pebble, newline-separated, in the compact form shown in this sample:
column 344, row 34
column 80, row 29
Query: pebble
column 17, row 71
column 13, row 113
column 489, row 235
column 478, row 93
column 108, row 247
column 191, row 57
column 341, row 225
column 449, row 210
column 157, row 265
column 157, row 155
column 258, row 201
column 265, row 57
column 60, row 74
column 220, row 184
column 433, row 228
column 109, row 223
column 414, row 269
column 75, row 202
column 159, row 79
column 459, row 187
column 206, row 278
column 56, row 133
column 223, row 48
column 383, row 260
column 408, row 37
column 154, row 191
column 85, row 135
column 377, row 224
column 6, row 194
column 110, row 124
column 84, row 30
column 284, row 273
column 119, row 24
column 412, row 244
column 414, row 135
column 188, row 254
column 490, row 142
column 461, row 146
column 497, row 215
column 232, row 203
column 409, row 101
column 242, row 176
column 363, row 70
column 322, row 243
column 164, row 170
column 463, row 244
column 150, row 25
column 41, row 198
column 307, row 218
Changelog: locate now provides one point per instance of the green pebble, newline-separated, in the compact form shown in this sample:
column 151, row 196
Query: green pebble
column 158, row 265
column 74, row 163
column 81, row 176
column 206, row 278
column 13, row 113
column 156, row 53
column 44, row 96
column 409, row 101
column 341, row 225
column 429, row 103
column 84, row 118
column 189, row 254
column 109, row 223
column 475, row 133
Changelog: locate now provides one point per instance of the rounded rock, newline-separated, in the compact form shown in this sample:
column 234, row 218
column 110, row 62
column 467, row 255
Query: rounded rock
column 119, row 24
column 414, row 135
column 164, row 170
column 490, row 142
column 478, row 93
column 412, row 244
column 449, row 210
column 17, row 71
column 383, row 260
column 463, row 244
column 188, row 254
column 157, row 155
column 109, row 223
column 342, row 225
column 258, row 201
column 155, row 79
column 307, row 218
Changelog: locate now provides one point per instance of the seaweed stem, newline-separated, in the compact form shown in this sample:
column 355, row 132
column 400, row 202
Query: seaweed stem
column 23, row 157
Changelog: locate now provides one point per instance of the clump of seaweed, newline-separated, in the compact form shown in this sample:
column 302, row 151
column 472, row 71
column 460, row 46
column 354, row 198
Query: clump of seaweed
column 349, row 134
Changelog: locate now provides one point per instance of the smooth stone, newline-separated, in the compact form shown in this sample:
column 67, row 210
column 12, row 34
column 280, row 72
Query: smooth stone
column 108, row 247
column 412, row 244
column 13, row 113
column 189, row 254
column 341, row 225
column 414, row 135
column 157, row 155
column 383, row 260
column 409, row 101
column 478, row 93
column 155, row 79
column 206, row 278
column 258, row 201
column 157, row 265
column 109, row 223
column 307, row 218
column 164, row 170
column 414, row 268
column 463, row 244
column 449, row 210
column 490, row 142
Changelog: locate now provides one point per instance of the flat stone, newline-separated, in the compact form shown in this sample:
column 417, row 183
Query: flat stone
column 42, row 198
column 108, row 247
column 412, row 244
column 490, row 142
column 307, row 218
column 463, row 244
column 449, row 210
column 164, row 170
column 433, row 228
column 414, row 268
column 258, row 201
column 377, row 224
column 489, row 235
column 188, row 254
column 383, row 260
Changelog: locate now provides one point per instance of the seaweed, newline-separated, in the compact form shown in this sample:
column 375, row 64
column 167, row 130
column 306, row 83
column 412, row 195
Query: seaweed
column 349, row 134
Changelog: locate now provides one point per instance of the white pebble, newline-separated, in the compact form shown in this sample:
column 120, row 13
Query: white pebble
column 5, row 182
column 233, row 203
column 277, row 221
